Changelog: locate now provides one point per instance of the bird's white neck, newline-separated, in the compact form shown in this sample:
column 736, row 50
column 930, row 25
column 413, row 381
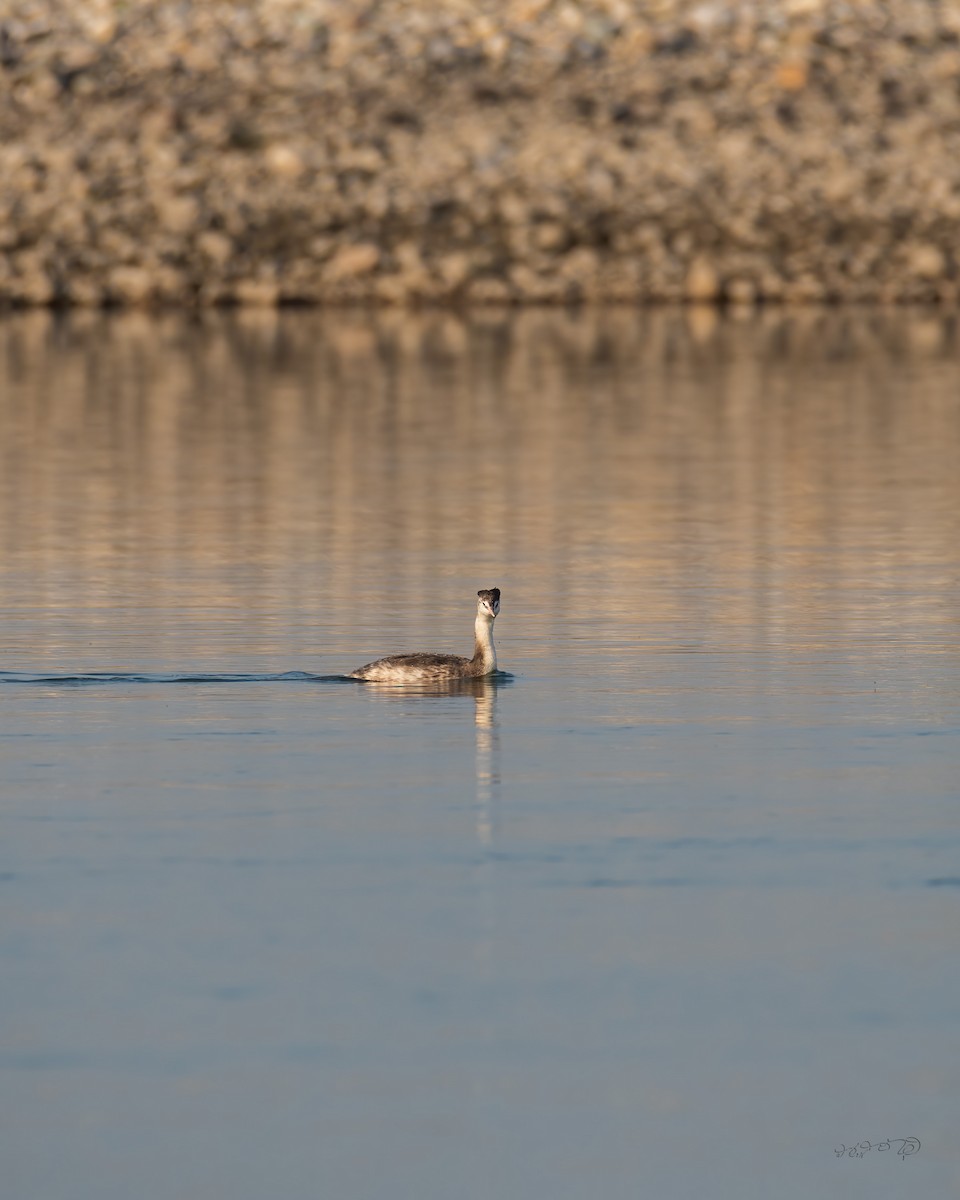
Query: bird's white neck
column 484, row 649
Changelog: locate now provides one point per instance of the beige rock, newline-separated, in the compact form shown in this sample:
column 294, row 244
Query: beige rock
column 170, row 285
column 199, row 57
column 29, row 282
column 803, row 8
column 101, row 26
column 453, row 269
column 36, row 288
column 525, row 281
column 215, row 246
column 129, row 284
column 177, row 213
column 366, row 159
column 927, row 261
column 352, row 261
column 570, row 17
column 320, row 247
column 84, row 292
column 741, row 291
column 580, row 265
column 702, row 282
column 258, row 293
column 771, row 285
column 283, row 161
column 514, row 208
column 68, row 220
column 488, row 290
column 391, row 289
column 408, row 257
column 549, row 235
column 805, row 289
column 791, row 75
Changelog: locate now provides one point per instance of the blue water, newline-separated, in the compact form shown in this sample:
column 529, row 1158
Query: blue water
column 669, row 908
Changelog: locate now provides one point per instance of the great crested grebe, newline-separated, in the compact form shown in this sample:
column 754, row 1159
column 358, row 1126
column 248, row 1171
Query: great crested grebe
column 415, row 668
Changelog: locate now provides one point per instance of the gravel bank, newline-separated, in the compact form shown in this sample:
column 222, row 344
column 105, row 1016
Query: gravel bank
column 524, row 151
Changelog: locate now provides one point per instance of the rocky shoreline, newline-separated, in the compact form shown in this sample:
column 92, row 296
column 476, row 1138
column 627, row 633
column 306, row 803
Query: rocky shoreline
column 531, row 151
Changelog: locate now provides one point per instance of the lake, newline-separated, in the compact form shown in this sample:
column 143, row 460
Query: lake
column 669, row 908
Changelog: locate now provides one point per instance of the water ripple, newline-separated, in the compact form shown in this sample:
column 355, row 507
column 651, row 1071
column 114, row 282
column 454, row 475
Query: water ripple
column 100, row 678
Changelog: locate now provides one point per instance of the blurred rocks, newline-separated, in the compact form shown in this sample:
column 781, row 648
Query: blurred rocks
column 547, row 151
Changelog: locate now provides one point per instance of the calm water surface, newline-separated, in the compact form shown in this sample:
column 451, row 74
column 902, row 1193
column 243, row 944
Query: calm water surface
column 672, row 910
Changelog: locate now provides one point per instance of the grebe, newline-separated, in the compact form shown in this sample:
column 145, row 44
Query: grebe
column 416, row 668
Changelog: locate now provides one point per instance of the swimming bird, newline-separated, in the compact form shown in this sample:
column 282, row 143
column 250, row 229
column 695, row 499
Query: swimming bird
column 416, row 668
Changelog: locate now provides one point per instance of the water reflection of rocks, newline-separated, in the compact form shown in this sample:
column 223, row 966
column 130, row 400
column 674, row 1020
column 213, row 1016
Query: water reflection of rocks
column 311, row 466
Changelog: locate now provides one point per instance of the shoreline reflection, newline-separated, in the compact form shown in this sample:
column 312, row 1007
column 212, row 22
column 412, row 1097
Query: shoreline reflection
column 227, row 477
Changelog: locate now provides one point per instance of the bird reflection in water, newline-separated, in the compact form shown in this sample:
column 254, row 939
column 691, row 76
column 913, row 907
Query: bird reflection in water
column 487, row 753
